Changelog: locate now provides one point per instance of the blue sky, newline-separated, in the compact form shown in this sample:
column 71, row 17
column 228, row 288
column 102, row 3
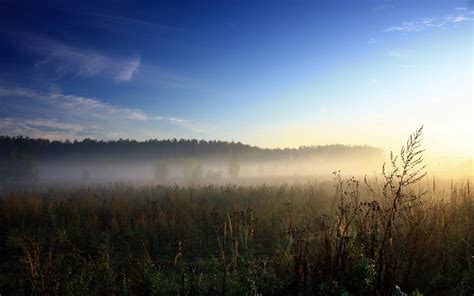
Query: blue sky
column 267, row 73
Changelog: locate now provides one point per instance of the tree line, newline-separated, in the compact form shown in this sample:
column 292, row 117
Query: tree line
column 153, row 149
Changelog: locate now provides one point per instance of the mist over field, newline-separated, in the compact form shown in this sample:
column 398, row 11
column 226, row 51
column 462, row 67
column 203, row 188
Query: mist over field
column 264, row 147
column 28, row 161
column 175, row 162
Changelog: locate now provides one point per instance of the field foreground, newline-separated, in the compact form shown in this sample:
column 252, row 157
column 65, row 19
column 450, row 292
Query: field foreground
column 327, row 238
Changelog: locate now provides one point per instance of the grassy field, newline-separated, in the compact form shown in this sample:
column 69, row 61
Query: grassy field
column 234, row 240
column 334, row 237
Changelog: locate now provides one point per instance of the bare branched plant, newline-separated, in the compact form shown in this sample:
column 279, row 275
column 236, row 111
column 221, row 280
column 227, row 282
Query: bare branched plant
column 404, row 170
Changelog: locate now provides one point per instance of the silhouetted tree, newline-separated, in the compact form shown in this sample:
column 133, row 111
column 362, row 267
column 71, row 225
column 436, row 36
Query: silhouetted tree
column 18, row 167
column 161, row 171
column 234, row 168
column 155, row 150
column 85, row 175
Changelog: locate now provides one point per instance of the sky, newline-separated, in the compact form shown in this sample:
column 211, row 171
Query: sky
column 267, row 73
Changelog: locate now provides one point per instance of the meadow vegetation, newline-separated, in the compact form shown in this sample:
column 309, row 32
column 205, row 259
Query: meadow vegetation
column 336, row 237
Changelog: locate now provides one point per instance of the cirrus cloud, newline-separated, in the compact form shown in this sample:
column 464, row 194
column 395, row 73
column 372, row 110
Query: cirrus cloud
column 432, row 22
column 72, row 116
column 65, row 59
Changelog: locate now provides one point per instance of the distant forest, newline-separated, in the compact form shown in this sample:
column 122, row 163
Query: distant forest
column 131, row 150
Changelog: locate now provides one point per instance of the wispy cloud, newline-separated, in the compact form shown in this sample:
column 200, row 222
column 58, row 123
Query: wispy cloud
column 432, row 22
column 56, row 59
column 188, row 124
column 111, row 21
column 398, row 53
column 44, row 128
column 371, row 41
column 65, row 59
column 127, row 72
column 72, row 116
